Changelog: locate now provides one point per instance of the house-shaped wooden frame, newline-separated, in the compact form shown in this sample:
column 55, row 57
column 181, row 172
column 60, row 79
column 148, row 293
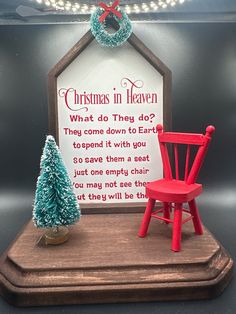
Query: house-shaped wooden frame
column 74, row 53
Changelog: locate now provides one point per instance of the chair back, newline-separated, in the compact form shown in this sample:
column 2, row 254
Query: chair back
column 195, row 151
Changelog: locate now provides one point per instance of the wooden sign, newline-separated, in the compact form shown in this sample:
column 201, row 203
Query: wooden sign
column 104, row 107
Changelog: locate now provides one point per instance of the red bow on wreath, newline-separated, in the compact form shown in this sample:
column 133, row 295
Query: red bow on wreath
column 111, row 9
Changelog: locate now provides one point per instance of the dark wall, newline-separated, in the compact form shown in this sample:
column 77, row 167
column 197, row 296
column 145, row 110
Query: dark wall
column 202, row 57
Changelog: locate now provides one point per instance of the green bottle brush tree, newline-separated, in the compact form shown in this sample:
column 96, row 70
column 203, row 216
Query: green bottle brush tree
column 55, row 205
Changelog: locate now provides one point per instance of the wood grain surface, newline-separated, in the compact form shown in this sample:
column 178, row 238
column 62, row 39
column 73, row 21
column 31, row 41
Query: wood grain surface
column 105, row 261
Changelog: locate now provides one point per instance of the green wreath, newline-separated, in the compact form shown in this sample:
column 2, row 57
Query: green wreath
column 106, row 39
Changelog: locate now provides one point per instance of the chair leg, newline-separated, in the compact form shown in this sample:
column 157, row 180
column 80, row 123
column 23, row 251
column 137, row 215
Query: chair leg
column 196, row 218
column 146, row 218
column 166, row 210
column 177, row 227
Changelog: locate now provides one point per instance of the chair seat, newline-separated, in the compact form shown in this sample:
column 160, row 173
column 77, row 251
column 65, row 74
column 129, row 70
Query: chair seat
column 175, row 191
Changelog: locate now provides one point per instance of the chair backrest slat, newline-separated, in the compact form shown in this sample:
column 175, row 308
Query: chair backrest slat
column 198, row 161
column 201, row 141
column 187, row 163
column 176, row 162
column 166, row 161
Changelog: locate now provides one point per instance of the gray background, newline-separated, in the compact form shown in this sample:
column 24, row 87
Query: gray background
column 202, row 57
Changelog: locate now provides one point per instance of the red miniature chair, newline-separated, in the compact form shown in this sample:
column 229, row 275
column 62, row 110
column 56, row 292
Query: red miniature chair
column 176, row 191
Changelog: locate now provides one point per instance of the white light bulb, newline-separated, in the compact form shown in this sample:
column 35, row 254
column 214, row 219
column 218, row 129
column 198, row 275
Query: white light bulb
column 127, row 9
column 152, row 4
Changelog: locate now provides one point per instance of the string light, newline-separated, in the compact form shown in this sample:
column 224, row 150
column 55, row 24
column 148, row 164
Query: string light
column 83, row 8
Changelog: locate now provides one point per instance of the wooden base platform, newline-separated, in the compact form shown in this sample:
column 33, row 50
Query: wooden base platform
column 105, row 261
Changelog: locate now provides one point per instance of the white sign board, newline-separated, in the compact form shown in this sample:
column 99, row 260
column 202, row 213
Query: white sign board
column 109, row 103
